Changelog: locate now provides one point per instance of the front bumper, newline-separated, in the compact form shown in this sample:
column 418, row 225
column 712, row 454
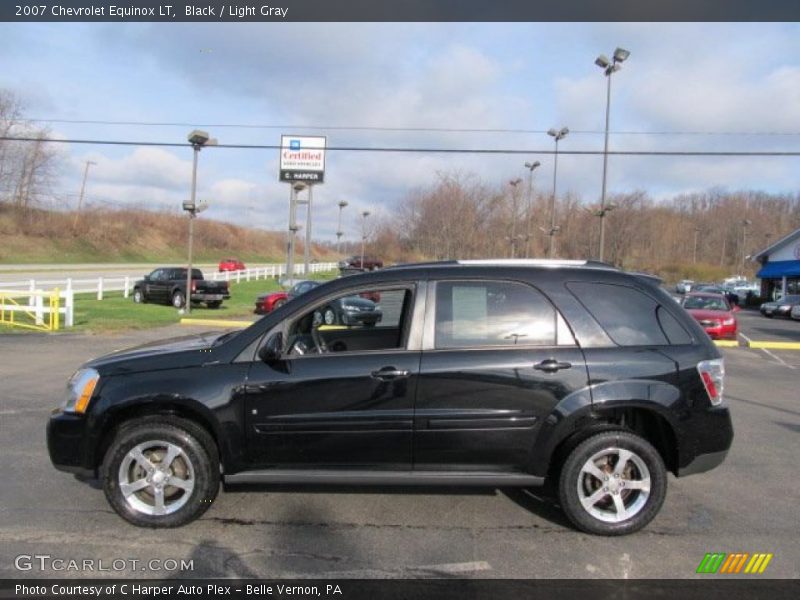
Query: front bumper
column 66, row 443
column 361, row 317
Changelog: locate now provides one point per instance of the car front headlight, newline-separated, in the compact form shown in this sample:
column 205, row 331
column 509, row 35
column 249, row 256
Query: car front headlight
column 80, row 388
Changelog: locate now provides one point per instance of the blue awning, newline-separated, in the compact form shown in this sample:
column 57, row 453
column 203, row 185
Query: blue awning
column 780, row 268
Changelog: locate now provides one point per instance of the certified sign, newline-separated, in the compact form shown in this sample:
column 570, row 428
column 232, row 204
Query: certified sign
column 302, row 158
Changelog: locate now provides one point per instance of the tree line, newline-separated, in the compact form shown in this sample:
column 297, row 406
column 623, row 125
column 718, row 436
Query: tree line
column 704, row 235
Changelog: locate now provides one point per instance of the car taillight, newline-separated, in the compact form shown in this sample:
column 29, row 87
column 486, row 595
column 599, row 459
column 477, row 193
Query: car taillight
column 194, row 286
column 712, row 373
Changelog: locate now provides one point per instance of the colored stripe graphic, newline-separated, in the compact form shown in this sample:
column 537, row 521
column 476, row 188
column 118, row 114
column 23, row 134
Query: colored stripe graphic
column 722, row 563
column 711, row 562
column 758, row 563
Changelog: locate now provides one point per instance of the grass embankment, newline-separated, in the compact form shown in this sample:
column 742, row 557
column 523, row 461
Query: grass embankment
column 115, row 313
column 138, row 236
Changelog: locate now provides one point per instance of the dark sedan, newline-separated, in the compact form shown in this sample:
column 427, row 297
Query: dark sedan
column 352, row 310
column 780, row 308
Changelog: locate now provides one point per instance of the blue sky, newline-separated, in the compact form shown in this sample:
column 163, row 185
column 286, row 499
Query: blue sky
column 680, row 77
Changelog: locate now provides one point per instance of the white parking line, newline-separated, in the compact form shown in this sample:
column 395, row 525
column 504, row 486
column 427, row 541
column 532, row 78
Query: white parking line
column 779, row 359
column 746, row 339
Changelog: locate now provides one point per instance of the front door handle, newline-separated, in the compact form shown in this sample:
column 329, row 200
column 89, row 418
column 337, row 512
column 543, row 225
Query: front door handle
column 551, row 365
column 389, row 373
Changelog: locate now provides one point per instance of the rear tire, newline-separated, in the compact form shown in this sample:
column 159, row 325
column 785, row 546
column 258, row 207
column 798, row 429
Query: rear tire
column 214, row 304
column 612, row 483
column 178, row 300
column 161, row 472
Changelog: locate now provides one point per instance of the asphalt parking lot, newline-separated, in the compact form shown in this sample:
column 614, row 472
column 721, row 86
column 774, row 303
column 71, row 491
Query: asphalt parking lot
column 747, row 505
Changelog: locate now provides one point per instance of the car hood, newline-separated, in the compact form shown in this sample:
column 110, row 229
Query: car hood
column 700, row 313
column 186, row 351
column 359, row 302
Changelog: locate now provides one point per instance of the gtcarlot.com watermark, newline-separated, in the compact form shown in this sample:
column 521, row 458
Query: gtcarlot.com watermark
column 47, row 562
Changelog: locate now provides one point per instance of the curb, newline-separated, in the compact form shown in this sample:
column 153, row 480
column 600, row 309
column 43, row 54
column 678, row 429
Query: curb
column 756, row 345
column 216, row 322
column 775, row 345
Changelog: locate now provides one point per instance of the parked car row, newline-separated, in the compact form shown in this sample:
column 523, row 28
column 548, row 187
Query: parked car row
column 788, row 306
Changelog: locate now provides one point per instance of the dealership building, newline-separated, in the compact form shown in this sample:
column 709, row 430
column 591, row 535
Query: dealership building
column 780, row 266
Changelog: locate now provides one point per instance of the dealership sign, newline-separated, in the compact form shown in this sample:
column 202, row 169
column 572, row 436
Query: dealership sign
column 302, row 158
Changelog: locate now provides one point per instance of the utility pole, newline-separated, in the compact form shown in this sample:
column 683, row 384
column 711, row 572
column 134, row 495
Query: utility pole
column 198, row 139
column 80, row 197
column 557, row 136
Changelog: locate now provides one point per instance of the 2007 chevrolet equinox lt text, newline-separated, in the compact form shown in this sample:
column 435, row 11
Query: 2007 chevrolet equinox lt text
column 487, row 373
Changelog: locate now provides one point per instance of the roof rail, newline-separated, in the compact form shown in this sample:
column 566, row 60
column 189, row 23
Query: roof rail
column 510, row 262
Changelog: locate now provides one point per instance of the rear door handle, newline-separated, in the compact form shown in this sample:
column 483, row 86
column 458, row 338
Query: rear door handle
column 389, row 373
column 551, row 365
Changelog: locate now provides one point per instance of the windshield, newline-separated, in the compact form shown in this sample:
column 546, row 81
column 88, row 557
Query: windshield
column 706, row 303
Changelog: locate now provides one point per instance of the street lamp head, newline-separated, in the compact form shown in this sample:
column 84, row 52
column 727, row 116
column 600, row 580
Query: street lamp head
column 532, row 166
column 621, row 55
column 564, row 131
column 552, row 132
column 365, row 214
column 342, row 203
column 515, row 182
column 602, row 61
column 198, row 138
column 299, row 186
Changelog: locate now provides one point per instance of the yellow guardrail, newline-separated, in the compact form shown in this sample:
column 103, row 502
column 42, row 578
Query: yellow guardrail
column 33, row 314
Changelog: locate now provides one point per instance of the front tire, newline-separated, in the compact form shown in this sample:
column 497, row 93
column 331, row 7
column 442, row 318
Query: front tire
column 613, row 483
column 161, row 472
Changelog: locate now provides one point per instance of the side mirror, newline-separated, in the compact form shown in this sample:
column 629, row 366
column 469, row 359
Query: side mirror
column 272, row 351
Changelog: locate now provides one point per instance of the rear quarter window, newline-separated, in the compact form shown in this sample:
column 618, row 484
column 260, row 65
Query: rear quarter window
column 629, row 316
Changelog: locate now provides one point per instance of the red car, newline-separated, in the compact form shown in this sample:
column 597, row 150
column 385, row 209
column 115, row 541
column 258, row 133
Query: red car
column 714, row 313
column 231, row 264
column 269, row 302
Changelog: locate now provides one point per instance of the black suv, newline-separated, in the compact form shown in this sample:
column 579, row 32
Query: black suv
column 485, row 373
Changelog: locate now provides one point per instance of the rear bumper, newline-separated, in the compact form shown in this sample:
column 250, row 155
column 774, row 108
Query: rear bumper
column 711, row 436
column 703, row 463
column 208, row 297
column 66, row 443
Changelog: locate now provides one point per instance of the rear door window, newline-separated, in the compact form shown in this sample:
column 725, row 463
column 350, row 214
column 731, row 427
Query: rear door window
column 629, row 316
column 492, row 313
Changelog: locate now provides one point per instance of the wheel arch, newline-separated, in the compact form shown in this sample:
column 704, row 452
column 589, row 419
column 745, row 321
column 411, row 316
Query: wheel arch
column 184, row 409
column 646, row 419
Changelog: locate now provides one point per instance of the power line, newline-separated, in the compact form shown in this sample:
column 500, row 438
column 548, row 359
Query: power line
column 401, row 129
column 419, row 150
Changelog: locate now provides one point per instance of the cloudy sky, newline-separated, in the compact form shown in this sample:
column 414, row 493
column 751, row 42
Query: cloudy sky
column 320, row 79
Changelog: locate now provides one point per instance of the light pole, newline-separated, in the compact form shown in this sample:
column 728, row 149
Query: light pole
column 530, row 167
column 364, row 214
column 198, row 139
column 694, row 251
column 609, row 68
column 83, row 188
column 745, row 224
column 513, row 238
column 339, row 232
column 557, row 136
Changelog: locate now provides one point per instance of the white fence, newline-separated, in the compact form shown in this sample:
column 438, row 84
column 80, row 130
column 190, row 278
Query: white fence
column 102, row 284
column 43, row 310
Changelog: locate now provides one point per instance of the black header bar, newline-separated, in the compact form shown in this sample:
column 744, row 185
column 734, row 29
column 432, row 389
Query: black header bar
column 236, row 11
